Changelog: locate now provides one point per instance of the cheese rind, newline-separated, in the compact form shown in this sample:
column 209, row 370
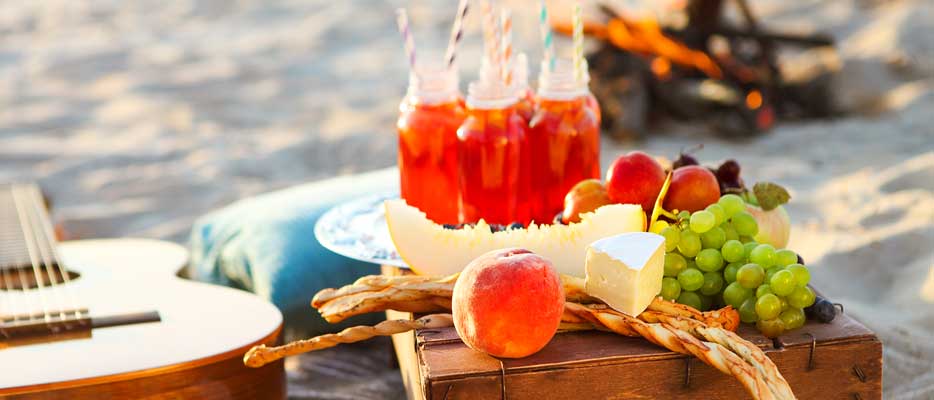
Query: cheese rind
column 625, row 271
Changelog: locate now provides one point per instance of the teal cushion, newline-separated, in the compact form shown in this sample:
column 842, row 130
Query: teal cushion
column 266, row 245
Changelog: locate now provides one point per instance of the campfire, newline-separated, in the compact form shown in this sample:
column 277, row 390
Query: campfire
column 708, row 70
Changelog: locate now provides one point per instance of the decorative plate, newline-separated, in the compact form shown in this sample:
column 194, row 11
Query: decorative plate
column 357, row 229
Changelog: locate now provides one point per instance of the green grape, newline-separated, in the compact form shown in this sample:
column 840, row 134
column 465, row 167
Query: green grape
column 684, row 215
column 702, row 221
column 706, row 302
column 801, row 297
column 690, row 243
column 750, row 276
column 713, row 282
column 671, row 289
column 793, row 318
column 729, row 273
column 801, row 273
column 691, row 279
column 771, row 328
column 771, row 271
column 747, row 239
column 732, row 251
column 785, row 304
column 672, row 237
column 745, row 224
column 690, row 299
column 730, row 231
column 657, row 226
column 768, row 306
column 763, row 254
column 731, row 204
column 747, row 311
column 785, row 257
column 735, row 294
column 763, row 290
column 717, row 212
column 747, row 248
column 674, row 264
column 714, row 238
column 783, row 283
column 709, row 260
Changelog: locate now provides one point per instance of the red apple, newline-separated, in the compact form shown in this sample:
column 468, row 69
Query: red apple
column 508, row 303
column 774, row 225
column 692, row 188
column 635, row 178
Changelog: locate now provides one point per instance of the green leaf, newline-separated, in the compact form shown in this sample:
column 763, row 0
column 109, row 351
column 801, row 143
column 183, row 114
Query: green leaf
column 770, row 195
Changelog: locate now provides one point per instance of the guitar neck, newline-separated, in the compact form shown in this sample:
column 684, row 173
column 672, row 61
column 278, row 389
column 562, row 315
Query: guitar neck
column 26, row 233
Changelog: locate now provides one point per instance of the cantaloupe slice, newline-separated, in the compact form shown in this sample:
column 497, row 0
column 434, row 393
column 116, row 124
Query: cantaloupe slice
column 429, row 249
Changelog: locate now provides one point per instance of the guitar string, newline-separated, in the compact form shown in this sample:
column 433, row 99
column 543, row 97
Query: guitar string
column 47, row 232
column 44, row 257
column 27, row 232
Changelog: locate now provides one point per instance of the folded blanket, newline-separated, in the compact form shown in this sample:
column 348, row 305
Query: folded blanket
column 266, row 245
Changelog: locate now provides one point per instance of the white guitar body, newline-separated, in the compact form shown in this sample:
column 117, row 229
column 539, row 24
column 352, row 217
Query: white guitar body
column 195, row 350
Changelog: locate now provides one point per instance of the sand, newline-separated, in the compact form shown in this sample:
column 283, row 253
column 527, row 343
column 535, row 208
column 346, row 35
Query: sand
column 136, row 117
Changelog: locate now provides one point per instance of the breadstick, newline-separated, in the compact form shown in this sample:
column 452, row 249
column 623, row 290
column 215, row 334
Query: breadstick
column 262, row 355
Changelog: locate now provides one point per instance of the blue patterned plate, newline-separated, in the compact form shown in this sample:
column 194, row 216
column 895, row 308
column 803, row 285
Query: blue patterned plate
column 357, row 229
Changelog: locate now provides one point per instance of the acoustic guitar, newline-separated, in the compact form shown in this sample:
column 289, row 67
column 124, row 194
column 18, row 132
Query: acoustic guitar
column 110, row 319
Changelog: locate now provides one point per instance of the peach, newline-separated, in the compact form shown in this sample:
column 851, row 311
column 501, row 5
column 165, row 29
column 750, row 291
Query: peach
column 508, row 303
column 635, row 178
column 586, row 196
column 692, row 188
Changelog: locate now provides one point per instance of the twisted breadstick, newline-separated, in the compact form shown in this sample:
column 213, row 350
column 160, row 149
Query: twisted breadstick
column 375, row 283
column 262, row 355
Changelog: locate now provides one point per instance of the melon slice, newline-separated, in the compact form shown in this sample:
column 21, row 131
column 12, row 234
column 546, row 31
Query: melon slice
column 430, row 249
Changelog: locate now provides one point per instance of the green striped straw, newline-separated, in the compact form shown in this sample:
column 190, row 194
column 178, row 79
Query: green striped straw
column 578, row 25
column 547, row 37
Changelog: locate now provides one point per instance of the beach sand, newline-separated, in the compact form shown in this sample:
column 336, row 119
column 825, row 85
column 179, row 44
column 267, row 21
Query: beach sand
column 137, row 117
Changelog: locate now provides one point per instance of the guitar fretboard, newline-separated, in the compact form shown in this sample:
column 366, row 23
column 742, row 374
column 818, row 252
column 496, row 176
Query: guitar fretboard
column 14, row 252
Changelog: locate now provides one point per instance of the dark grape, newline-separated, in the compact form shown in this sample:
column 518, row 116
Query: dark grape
column 515, row 225
column 822, row 310
column 728, row 176
column 497, row 228
column 451, row 226
column 801, row 260
column 684, row 160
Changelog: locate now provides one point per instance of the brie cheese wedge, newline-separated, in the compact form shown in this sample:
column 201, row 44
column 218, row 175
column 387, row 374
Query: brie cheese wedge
column 625, row 271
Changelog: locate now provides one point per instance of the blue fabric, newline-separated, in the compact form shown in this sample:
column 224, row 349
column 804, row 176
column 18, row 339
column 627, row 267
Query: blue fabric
column 266, row 245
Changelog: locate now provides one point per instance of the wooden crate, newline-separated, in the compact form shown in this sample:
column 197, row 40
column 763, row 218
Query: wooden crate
column 839, row 360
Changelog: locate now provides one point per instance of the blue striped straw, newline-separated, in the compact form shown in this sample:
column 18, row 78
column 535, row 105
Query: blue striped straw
column 547, row 39
column 402, row 19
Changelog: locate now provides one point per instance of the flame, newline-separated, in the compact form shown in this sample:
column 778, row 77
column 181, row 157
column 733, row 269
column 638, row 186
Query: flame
column 754, row 99
column 646, row 37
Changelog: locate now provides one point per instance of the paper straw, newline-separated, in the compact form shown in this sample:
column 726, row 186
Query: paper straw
column 506, row 21
column 547, row 38
column 457, row 31
column 491, row 37
column 578, row 26
column 402, row 19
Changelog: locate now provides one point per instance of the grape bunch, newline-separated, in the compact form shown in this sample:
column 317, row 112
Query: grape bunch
column 711, row 260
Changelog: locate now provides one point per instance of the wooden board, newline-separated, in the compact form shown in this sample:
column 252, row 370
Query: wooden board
column 602, row 365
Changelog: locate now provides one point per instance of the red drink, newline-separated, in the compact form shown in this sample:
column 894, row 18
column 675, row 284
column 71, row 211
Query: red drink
column 564, row 140
column 493, row 158
column 428, row 120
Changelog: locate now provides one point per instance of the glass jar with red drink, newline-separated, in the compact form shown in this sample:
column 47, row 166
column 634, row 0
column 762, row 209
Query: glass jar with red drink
column 564, row 138
column 492, row 153
column 429, row 117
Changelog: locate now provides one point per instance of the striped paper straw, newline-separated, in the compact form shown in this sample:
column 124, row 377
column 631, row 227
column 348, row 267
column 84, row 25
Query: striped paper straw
column 457, row 31
column 578, row 26
column 547, row 38
column 506, row 22
column 491, row 37
column 402, row 19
